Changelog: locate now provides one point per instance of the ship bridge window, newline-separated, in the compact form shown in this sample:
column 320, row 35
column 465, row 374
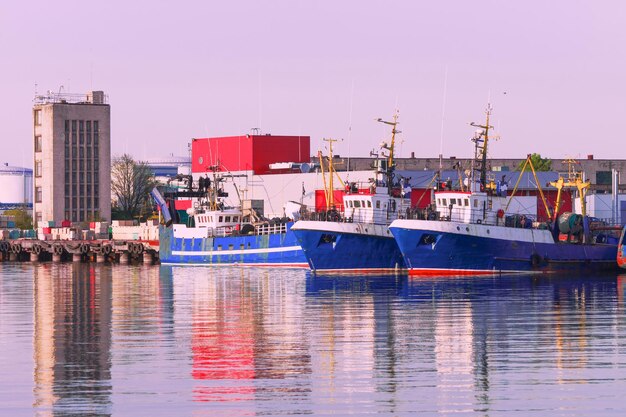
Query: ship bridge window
column 369, row 204
column 235, row 218
column 227, row 220
column 220, row 219
column 357, row 203
column 444, row 202
column 475, row 203
column 466, row 202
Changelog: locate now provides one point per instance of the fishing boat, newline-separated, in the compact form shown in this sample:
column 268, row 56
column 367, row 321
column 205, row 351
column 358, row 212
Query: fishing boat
column 215, row 233
column 352, row 236
column 478, row 231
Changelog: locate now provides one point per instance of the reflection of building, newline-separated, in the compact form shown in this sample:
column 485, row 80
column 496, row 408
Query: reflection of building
column 72, row 163
column 72, row 338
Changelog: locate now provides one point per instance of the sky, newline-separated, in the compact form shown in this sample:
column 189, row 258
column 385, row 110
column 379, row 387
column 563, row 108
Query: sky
column 554, row 72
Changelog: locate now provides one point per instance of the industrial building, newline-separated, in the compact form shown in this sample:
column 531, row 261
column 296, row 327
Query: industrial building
column 16, row 188
column 72, row 157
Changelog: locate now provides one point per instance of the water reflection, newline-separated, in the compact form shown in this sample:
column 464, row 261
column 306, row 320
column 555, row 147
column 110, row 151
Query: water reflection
column 227, row 341
column 72, row 339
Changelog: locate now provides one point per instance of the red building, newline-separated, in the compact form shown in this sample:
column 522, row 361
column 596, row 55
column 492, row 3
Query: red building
column 248, row 153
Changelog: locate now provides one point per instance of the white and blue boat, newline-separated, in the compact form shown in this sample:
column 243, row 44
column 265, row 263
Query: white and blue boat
column 215, row 234
column 475, row 232
column 355, row 237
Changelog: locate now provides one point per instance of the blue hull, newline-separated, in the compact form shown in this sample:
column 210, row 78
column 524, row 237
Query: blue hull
column 349, row 253
column 278, row 249
column 466, row 254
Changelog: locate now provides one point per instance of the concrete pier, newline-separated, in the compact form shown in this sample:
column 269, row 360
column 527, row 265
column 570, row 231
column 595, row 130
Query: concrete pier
column 97, row 251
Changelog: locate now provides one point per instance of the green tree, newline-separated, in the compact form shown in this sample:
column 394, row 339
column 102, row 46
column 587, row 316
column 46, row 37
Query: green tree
column 540, row 164
column 131, row 183
column 22, row 219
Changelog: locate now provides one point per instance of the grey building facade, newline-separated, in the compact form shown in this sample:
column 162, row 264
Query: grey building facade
column 72, row 158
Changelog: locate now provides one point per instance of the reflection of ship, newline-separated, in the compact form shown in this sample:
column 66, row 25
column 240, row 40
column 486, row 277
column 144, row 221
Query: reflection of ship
column 475, row 235
column 621, row 250
column 356, row 238
column 214, row 233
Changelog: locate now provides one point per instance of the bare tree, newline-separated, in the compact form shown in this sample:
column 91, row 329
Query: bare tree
column 131, row 183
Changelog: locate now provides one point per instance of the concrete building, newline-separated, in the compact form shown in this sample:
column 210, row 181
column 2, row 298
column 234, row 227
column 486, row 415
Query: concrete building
column 72, row 157
column 597, row 171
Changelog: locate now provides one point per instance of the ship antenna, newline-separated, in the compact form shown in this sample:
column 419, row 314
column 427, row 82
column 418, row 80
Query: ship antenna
column 443, row 114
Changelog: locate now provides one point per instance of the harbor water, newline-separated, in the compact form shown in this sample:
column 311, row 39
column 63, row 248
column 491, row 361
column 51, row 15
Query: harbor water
column 124, row 340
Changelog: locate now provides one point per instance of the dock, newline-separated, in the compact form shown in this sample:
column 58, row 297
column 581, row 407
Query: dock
column 99, row 251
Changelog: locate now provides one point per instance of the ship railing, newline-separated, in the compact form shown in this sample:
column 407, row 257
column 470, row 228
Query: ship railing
column 269, row 228
column 260, row 229
column 360, row 215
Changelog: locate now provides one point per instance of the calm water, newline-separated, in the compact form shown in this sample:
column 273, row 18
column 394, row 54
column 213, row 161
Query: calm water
column 159, row 341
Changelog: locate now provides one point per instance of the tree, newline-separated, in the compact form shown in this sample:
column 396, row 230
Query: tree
column 22, row 219
column 131, row 183
column 540, row 164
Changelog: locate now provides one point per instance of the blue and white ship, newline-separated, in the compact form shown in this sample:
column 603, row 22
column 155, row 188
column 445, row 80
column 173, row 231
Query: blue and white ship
column 216, row 234
column 477, row 232
column 355, row 238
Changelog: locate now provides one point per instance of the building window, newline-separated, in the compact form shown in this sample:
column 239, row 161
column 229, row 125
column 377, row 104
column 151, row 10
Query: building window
column 38, row 194
column 603, row 178
column 37, row 168
column 38, row 143
column 37, row 117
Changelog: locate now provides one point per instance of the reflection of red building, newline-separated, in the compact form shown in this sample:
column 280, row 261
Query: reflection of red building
column 248, row 152
column 223, row 349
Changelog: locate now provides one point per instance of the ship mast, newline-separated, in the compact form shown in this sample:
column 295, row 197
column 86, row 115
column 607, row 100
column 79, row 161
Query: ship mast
column 330, row 191
column 391, row 164
column 481, row 138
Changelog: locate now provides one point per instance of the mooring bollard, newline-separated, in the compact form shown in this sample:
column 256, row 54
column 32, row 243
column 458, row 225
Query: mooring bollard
column 56, row 257
column 77, row 257
column 100, row 258
column 34, row 257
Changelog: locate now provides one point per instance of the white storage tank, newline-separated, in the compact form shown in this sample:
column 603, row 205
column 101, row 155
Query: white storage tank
column 16, row 185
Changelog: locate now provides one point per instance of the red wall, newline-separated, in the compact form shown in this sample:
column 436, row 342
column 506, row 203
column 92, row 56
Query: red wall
column 233, row 153
column 270, row 149
column 248, row 152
